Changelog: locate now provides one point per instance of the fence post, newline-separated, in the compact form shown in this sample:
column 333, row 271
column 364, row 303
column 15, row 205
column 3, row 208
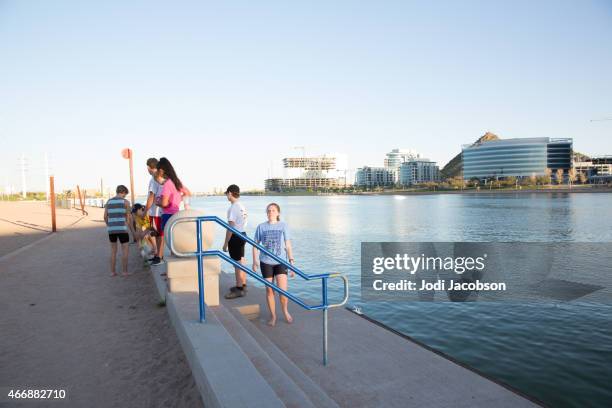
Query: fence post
column 52, row 192
column 81, row 200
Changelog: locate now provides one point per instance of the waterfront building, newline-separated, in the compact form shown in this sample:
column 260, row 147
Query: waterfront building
column 418, row 171
column 369, row 176
column 596, row 170
column 396, row 157
column 523, row 157
column 310, row 173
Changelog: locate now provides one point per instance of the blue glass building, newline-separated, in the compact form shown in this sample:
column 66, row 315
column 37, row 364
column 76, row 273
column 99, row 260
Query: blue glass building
column 516, row 157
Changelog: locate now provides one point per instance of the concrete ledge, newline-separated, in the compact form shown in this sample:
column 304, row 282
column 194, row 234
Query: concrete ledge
column 251, row 312
column 223, row 373
column 160, row 282
column 183, row 276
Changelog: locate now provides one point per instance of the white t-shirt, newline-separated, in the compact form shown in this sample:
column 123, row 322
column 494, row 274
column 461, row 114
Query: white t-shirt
column 238, row 214
column 156, row 189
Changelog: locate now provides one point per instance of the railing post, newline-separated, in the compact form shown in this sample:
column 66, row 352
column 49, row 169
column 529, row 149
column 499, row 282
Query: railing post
column 324, row 289
column 200, row 271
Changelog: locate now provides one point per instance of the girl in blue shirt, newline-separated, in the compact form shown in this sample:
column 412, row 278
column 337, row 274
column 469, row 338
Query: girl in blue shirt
column 274, row 236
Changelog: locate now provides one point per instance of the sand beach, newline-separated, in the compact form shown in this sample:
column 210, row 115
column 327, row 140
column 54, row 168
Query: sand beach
column 66, row 324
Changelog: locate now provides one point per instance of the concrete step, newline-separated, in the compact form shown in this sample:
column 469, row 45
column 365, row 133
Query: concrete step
column 315, row 393
column 225, row 376
column 160, row 281
column 282, row 384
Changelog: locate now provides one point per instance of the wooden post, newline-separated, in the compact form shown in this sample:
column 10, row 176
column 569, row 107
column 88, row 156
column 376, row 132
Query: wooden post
column 81, row 201
column 127, row 153
column 132, row 178
column 52, row 192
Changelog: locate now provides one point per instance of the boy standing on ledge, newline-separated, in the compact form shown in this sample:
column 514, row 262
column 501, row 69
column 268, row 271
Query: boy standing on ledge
column 237, row 218
column 118, row 219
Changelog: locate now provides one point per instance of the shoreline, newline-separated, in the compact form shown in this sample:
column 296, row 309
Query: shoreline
column 582, row 190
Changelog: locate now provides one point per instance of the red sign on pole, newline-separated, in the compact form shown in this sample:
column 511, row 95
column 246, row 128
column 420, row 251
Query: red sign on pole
column 126, row 153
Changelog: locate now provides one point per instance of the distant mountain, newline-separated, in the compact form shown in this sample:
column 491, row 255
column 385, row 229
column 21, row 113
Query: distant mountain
column 454, row 168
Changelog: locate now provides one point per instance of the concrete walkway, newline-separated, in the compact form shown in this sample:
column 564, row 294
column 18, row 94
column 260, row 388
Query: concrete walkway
column 66, row 324
column 370, row 366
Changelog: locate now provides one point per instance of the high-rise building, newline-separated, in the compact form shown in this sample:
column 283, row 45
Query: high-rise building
column 523, row 157
column 418, row 171
column 396, row 157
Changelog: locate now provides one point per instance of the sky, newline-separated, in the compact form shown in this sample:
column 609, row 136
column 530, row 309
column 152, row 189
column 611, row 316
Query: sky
column 226, row 89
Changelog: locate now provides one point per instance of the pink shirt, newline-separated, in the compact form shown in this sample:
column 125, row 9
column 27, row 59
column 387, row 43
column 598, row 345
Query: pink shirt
column 174, row 197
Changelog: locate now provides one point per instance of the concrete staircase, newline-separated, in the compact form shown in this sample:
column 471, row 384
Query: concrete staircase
column 238, row 361
column 244, row 368
column 290, row 384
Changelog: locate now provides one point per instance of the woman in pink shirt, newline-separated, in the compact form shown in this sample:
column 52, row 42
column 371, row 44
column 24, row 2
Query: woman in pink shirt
column 171, row 196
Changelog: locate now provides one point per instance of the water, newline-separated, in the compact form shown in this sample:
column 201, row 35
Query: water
column 560, row 353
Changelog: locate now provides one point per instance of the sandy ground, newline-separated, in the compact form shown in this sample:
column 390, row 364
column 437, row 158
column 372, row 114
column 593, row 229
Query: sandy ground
column 66, row 324
column 22, row 223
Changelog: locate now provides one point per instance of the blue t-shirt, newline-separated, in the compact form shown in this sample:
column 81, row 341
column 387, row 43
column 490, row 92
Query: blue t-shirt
column 272, row 237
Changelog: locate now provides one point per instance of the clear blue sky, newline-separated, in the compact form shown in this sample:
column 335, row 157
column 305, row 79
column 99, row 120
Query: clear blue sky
column 225, row 88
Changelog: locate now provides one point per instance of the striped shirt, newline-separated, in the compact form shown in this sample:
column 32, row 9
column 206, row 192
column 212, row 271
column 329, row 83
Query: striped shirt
column 116, row 215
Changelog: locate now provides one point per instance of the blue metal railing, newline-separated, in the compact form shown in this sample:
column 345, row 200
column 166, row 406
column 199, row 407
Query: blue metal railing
column 200, row 254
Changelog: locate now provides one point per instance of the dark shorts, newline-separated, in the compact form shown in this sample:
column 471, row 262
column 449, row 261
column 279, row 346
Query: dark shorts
column 156, row 223
column 270, row 271
column 235, row 247
column 164, row 220
column 124, row 237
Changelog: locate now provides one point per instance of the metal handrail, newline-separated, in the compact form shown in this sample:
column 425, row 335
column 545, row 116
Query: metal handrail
column 199, row 253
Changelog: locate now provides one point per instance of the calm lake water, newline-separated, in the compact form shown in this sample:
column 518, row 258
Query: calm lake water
column 558, row 352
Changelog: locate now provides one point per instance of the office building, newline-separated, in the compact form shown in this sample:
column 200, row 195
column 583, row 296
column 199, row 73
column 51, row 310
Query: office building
column 523, row 157
column 596, row 170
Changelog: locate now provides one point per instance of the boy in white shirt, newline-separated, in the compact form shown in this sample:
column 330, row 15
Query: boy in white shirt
column 237, row 218
column 156, row 184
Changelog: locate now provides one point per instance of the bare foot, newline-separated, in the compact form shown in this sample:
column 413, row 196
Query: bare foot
column 288, row 317
column 272, row 321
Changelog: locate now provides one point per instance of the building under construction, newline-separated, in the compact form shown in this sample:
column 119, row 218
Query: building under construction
column 310, row 163
column 283, row 184
column 310, row 173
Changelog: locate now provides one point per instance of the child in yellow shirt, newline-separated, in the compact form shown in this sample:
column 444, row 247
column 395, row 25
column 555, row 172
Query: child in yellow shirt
column 144, row 231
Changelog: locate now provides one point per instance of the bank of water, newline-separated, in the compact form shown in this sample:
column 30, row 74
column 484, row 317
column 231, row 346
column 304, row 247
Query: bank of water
column 559, row 352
